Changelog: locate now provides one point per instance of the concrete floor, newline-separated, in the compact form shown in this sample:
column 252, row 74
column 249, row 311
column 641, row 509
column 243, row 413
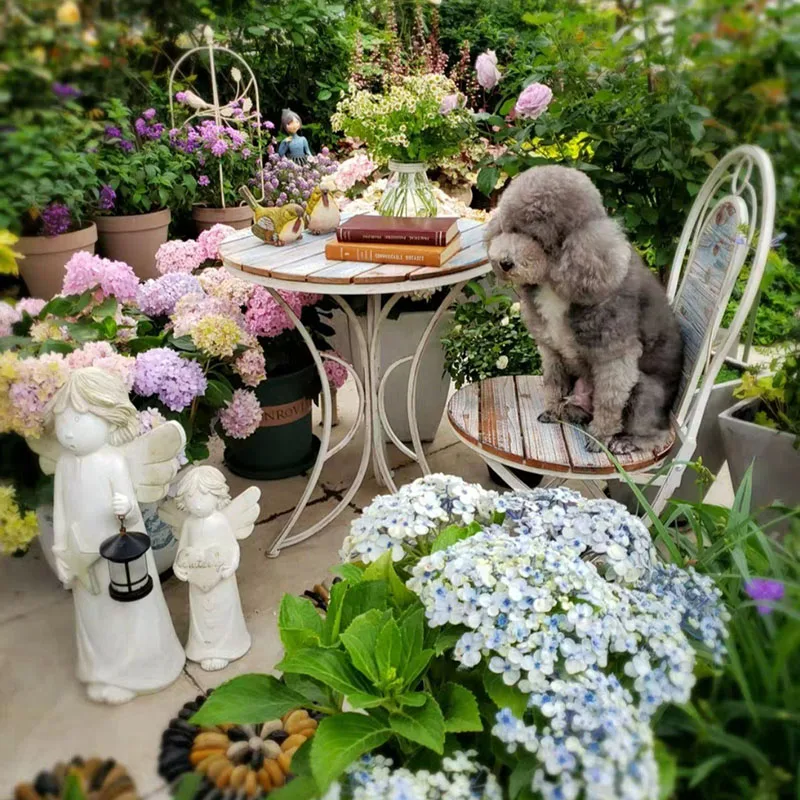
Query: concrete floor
column 46, row 716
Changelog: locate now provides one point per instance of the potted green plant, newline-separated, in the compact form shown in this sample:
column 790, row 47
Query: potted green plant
column 142, row 180
column 47, row 189
column 411, row 123
column 224, row 157
column 764, row 427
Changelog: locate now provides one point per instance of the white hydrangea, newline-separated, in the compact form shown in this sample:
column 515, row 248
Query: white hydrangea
column 588, row 738
column 607, row 534
column 420, row 510
column 460, row 778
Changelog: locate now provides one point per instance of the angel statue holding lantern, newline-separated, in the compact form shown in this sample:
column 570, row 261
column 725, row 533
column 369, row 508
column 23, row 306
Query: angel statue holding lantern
column 103, row 469
column 211, row 525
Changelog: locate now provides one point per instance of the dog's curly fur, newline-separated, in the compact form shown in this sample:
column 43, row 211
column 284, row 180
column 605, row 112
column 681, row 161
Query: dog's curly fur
column 598, row 315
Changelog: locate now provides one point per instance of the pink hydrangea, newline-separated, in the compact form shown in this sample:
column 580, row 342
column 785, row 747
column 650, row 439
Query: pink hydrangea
column 102, row 355
column 251, row 367
column 30, row 305
column 179, row 256
column 533, row 101
column 337, row 374
column 8, row 316
column 220, row 283
column 211, row 239
column 486, row 68
column 242, row 416
column 85, row 271
column 264, row 317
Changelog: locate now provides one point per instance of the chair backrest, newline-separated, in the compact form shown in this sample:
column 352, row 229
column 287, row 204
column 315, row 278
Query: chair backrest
column 730, row 225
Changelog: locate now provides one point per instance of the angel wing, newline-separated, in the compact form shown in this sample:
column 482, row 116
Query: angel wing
column 243, row 511
column 49, row 451
column 153, row 460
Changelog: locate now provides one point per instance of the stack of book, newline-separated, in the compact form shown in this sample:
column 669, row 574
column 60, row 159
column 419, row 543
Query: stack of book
column 420, row 241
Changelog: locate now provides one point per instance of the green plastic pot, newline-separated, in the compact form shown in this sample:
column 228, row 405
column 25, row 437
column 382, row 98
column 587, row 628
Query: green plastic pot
column 283, row 445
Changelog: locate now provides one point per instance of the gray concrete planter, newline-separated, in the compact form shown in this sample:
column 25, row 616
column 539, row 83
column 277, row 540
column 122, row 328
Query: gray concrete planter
column 776, row 471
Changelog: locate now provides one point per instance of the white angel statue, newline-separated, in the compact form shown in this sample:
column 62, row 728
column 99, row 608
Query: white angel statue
column 103, row 470
column 210, row 525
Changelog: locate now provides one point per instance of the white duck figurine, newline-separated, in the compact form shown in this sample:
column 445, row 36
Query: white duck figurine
column 322, row 212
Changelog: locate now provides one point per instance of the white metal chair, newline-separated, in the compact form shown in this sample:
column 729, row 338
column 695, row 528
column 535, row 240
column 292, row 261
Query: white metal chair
column 730, row 225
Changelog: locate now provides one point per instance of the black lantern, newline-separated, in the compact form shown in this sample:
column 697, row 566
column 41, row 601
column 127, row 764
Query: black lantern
column 126, row 554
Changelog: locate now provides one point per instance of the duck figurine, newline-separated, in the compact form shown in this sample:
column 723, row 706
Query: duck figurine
column 276, row 225
column 322, row 212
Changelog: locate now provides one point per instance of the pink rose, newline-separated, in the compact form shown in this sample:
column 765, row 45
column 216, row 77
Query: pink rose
column 533, row 101
column 450, row 103
column 486, row 67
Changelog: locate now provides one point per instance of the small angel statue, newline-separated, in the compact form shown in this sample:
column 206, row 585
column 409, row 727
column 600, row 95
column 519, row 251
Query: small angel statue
column 103, row 470
column 210, row 525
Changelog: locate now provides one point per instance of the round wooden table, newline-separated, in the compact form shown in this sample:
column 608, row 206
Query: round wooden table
column 303, row 267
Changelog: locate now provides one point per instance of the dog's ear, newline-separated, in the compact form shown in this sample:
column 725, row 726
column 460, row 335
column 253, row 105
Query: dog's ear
column 492, row 229
column 593, row 263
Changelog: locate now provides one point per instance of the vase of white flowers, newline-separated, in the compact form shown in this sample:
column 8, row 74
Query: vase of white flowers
column 417, row 121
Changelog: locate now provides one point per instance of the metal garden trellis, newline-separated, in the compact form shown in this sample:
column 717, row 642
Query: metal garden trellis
column 241, row 109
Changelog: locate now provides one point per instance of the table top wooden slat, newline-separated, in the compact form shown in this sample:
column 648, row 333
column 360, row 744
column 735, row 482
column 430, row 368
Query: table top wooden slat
column 508, row 427
column 305, row 261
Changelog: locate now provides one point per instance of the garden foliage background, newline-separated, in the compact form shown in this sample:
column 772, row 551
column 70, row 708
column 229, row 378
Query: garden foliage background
column 647, row 95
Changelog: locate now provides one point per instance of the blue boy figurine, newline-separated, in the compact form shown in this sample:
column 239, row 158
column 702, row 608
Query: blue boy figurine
column 294, row 146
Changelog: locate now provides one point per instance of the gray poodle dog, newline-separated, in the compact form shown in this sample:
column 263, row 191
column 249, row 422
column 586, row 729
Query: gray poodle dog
column 611, row 347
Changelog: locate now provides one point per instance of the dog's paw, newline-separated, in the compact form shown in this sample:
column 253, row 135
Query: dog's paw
column 596, row 440
column 623, row 445
column 548, row 416
column 575, row 414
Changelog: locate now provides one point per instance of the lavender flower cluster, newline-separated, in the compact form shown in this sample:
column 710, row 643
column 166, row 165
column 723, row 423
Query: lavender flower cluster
column 286, row 181
column 461, row 778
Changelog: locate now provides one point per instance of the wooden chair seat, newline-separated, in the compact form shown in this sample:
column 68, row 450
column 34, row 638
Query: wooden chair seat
column 500, row 416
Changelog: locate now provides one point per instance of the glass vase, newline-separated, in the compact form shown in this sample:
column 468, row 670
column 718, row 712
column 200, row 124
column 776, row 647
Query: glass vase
column 408, row 192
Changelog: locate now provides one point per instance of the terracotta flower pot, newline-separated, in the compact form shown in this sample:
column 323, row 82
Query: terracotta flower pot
column 42, row 269
column 134, row 239
column 238, row 217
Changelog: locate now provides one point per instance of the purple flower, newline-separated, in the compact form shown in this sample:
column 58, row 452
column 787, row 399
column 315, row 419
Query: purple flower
column 64, row 91
column 158, row 296
column 108, row 197
column 180, row 97
column 246, row 152
column 56, row 219
column 486, row 68
column 219, row 148
column 113, row 132
column 174, row 380
column 765, row 590
column 140, row 125
column 270, row 126
column 203, row 180
column 126, row 145
column 149, row 114
column 533, row 101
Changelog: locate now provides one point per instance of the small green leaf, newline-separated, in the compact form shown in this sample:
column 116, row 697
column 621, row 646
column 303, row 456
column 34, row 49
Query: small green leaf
column 487, row 180
column 51, row 346
column 415, row 667
column 299, row 623
column 423, row 725
column 333, row 616
column 361, row 641
column 108, row 308
column 445, row 640
column 667, row 771
column 383, row 569
column 505, row 696
column 339, row 741
column 301, row 788
column 449, row 536
column 415, row 699
column 389, row 651
column 183, row 343
column 350, row 572
column 361, row 700
column 363, row 596
column 218, row 394
column 72, row 787
column 331, row 667
column 521, row 777
column 247, row 699
column 460, row 709
column 187, row 786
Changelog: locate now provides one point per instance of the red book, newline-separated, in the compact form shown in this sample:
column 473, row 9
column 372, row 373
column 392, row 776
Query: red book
column 425, row 231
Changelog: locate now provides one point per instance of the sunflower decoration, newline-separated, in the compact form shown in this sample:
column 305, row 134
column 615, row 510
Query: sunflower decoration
column 92, row 779
column 236, row 761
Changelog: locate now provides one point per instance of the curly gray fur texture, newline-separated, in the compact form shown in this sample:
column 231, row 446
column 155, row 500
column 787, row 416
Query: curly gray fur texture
column 599, row 317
